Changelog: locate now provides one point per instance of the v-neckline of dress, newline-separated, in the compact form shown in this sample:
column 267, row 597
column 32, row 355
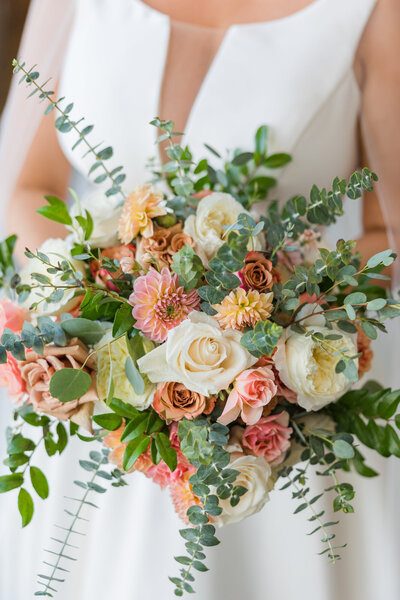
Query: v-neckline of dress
column 227, row 35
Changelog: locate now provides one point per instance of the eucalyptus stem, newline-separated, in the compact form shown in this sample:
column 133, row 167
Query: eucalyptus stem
column 70, row 531
column 31, row 79
column 316, row 517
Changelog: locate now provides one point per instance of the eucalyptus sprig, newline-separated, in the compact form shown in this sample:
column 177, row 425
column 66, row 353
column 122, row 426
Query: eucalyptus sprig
column 202, row 442
column 64, row 124
column 97, row 467
column 322, row 207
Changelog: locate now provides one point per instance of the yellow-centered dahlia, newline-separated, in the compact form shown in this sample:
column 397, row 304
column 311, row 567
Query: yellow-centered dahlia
column 140, row 208
column 243, row 309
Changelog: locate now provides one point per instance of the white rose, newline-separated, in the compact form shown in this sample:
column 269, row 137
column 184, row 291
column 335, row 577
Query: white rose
column 206, row 228
column 55, row 249
column 199, row 354
column 254, row 475
column 308, row 369
column 116, row 353
column 105, row 213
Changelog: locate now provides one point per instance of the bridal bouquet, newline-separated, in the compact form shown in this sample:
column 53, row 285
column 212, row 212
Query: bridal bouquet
column 214, row 348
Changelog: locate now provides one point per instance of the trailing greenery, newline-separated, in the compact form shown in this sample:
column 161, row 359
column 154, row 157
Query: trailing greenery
column 322, row 208
column 64, row 124
column 203, row 442
column 245, row 175
column 97, row 468
column 370, row 414
column 20, row 454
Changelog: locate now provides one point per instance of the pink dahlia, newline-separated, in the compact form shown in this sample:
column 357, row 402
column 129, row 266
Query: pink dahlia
column 160, row 303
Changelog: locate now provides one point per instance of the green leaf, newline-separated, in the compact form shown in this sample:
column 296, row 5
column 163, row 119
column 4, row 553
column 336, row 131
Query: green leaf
column 168, row 454
column 10, row 482
column 369, row 330
column 376, row 304
column 39, row 482
column 109, row 421
column 189, row 267
column 262, row 339
column 123, row 320
column 57, row 211
column 275, row 161
column 134, row 377
column 135, row 427
column 90, row 332
column 69, row 384
column 242, row 159
column 133, row 450
column 355, row 298
column 343, row 449
column 25, row 506
column 361, row 468
column 62, row 437
column 261, row 140
column 377, row 259
column 124, row 410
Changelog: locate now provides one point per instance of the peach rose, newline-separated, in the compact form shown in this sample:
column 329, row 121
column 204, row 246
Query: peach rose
column 253, row 389
column 162, row 246
column 11, row 316
column 37, row 371
column 113, row 441
column 258, row 273
column 173, row 401
column 282, row 390
column 269, row 438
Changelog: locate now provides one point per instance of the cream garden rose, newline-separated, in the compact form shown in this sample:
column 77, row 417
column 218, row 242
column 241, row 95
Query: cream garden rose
column 105, row 212
column 206, row 228
column 308, row 369
column 115, row 354
column 199, row 354
column 56, row 250
column 254, row 475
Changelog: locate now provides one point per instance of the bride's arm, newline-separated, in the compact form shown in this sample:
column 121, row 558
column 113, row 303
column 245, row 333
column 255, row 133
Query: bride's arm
column 46, row 172
column 379, row 75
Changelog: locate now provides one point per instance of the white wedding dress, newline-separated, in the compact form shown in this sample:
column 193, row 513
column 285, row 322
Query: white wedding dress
column 296, row 75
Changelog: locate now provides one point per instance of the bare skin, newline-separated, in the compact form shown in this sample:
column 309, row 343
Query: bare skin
column 47, row 171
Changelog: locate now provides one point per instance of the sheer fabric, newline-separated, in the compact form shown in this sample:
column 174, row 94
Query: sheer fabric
column 43, row 43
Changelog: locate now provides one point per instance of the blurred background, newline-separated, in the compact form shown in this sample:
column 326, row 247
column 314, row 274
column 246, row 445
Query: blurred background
column 12, row 18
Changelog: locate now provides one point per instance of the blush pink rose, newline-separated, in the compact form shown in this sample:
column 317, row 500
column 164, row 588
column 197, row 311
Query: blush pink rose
column 254, row 389
column 268, row 438
column 11, row 378
column 11, row 316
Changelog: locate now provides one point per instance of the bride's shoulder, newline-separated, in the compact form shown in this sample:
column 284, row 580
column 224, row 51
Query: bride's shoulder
column 379, row 47
column 383, row 26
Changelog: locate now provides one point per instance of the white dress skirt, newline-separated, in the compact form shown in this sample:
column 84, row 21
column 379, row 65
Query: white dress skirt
column 295, row 75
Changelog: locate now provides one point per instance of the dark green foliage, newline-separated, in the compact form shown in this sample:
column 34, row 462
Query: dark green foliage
column 367, row 415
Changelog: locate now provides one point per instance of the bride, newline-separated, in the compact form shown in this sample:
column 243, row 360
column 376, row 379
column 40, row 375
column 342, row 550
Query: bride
column 324, row 76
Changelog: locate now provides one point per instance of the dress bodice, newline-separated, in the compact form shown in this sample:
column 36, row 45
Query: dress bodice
column 294, row 74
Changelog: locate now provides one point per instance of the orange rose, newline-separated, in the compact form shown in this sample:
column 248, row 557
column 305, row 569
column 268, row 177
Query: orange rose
column 162, row 246
column 258, row 273
column 173, row 401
